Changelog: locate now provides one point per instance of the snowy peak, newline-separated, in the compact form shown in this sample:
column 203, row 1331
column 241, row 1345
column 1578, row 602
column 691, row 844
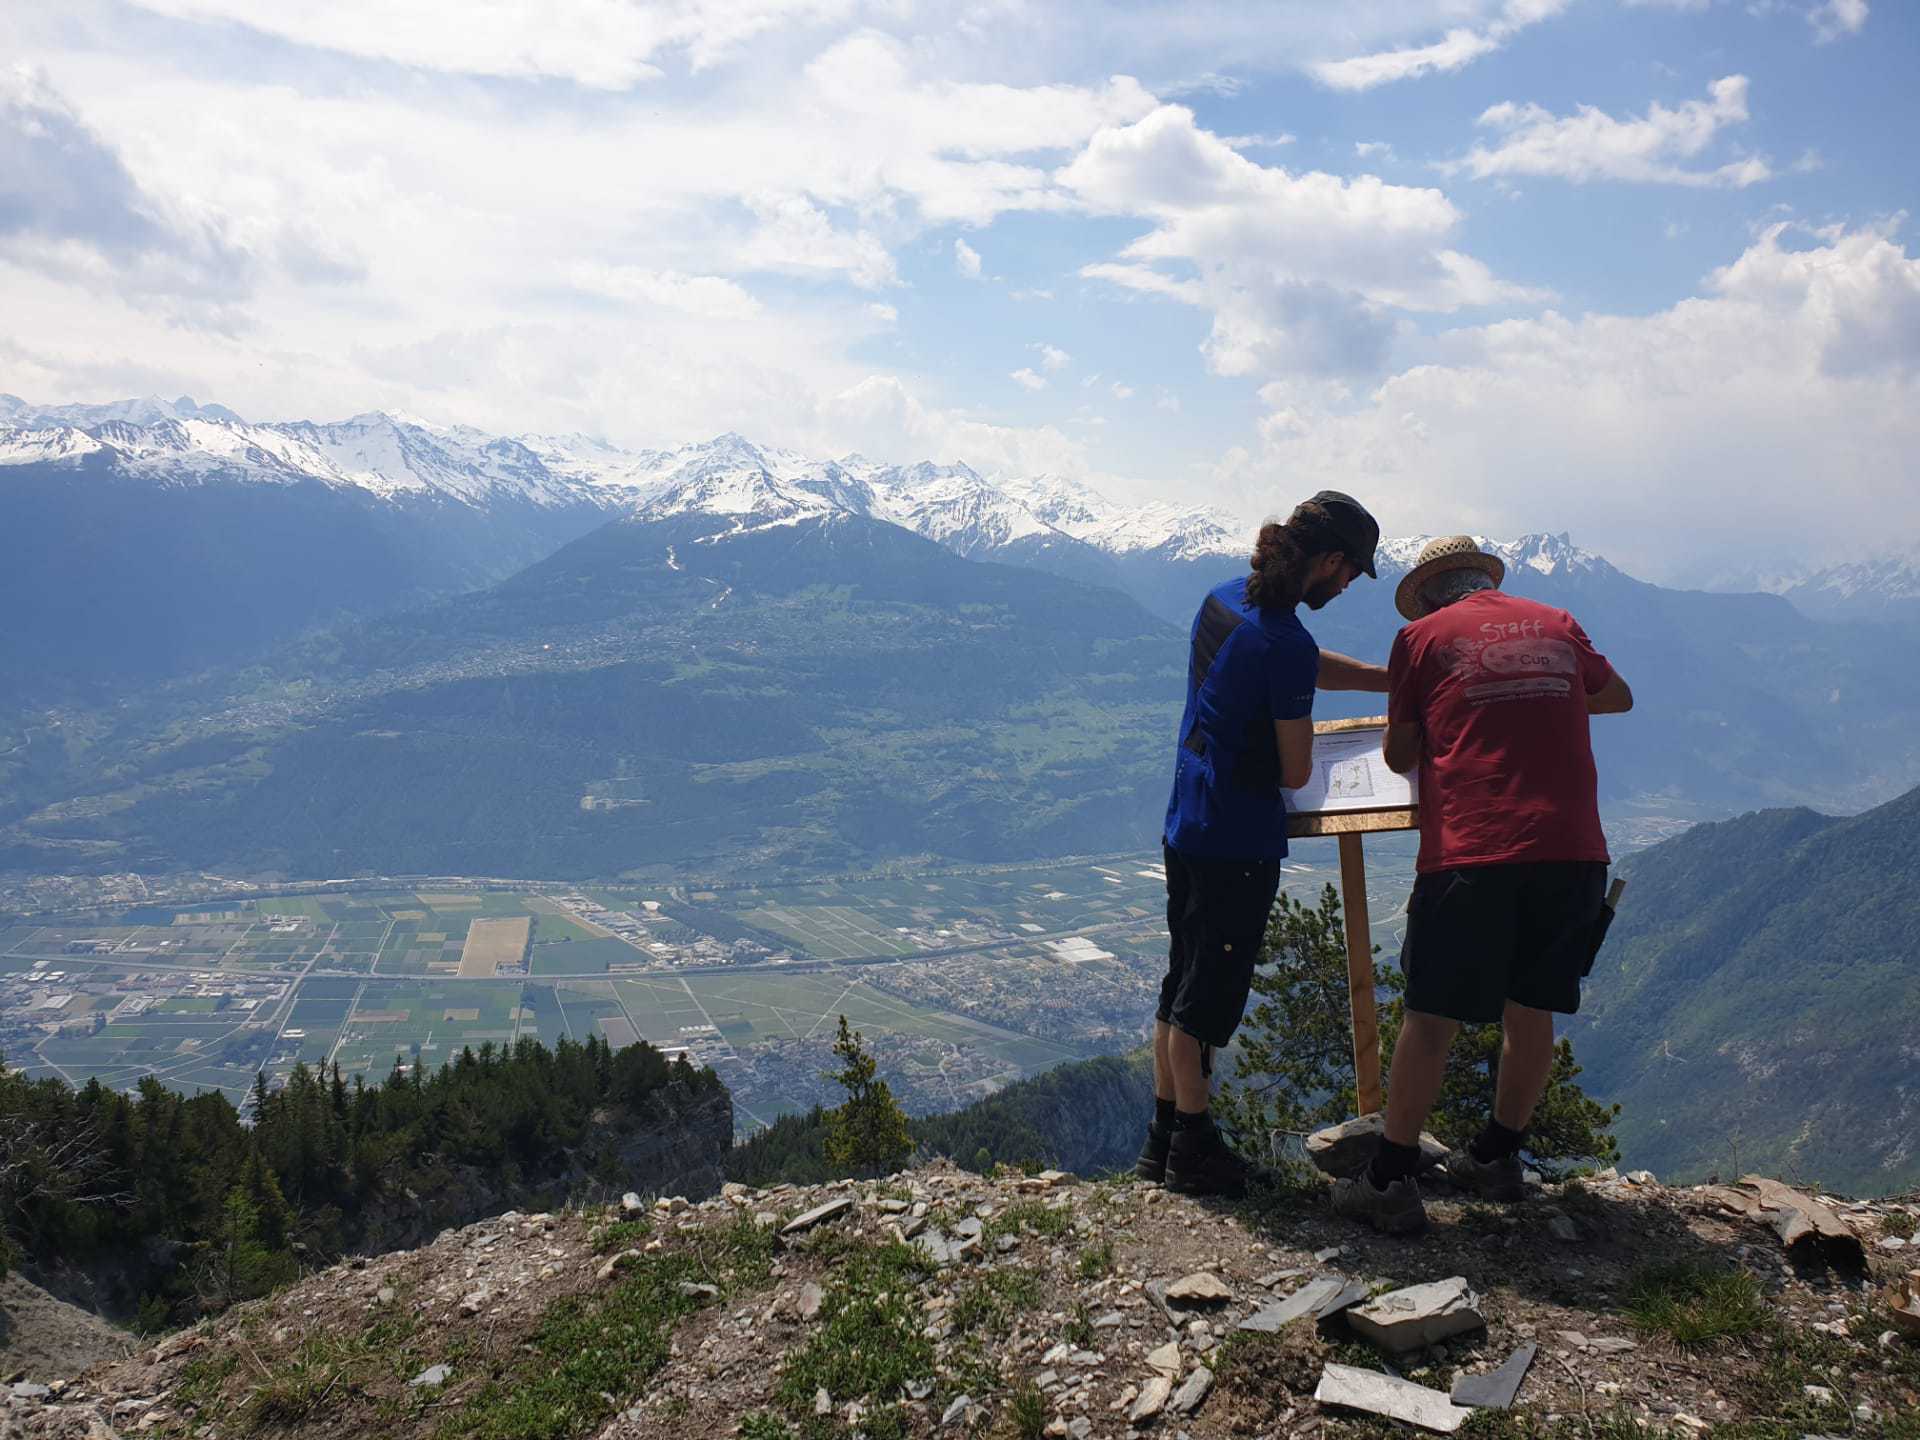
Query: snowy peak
column 1541, row 553
column 1884, row 589
column 405, row 459
column 148, row 410
column 1078, row 510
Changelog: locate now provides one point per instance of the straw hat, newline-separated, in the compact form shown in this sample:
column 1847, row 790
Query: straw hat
column 1455, row 552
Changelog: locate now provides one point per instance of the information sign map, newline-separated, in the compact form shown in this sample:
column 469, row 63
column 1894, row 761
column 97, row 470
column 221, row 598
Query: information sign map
column 1350, row 775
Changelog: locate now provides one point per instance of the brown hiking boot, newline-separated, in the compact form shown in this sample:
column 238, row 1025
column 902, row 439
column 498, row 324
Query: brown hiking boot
column 1501, row 1179
column 1200, row 1162
column 1396, row 1210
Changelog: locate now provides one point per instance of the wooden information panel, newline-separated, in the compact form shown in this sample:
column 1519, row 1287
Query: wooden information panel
column 1351, row 793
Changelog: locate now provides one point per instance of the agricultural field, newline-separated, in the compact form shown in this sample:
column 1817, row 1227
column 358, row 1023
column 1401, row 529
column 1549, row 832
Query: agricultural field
column 959, row 980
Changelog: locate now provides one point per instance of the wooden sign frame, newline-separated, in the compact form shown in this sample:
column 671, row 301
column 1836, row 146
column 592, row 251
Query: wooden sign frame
column 1349, row 826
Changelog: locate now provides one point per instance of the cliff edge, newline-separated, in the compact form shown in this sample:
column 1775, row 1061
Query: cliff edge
column 937, row 1302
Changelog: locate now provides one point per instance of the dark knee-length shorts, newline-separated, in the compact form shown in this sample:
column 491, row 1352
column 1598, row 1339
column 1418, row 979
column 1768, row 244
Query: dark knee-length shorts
column 1216, row 918
column 1481, row 935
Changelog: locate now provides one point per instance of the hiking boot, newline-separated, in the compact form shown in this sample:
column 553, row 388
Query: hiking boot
column 1396, row 1210
column 1501, row 1179
column 1200, row 1162
column 1152, row 1164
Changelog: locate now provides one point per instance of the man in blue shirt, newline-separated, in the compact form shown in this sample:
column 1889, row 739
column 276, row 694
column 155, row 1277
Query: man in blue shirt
column 1246, row 734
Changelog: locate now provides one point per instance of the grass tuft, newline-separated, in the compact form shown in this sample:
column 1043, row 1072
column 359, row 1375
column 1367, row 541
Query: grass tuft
column 1030, row 1216
column 1692, row 1304
column 1027, row 1413
column 990, row 1301
column 869, row 1343
column 621, row 1234
column 592, row 1353
column 1096, row 1260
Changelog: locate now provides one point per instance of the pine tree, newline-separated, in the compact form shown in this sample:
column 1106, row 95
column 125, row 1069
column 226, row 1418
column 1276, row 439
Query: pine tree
column 868, row 1134
column 1293, row 1058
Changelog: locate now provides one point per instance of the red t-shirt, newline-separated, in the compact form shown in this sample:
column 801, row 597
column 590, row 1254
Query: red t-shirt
column 1499, row 685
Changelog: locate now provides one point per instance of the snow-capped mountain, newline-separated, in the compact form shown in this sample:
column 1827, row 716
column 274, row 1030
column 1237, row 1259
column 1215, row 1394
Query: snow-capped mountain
column 1541, row 553
column 1887, row 589
column 358, row 515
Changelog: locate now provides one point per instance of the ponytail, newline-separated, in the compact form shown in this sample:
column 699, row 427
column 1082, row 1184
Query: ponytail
column 1279, row 564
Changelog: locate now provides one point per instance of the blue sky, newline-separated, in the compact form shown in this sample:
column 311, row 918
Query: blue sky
column 1642, row 271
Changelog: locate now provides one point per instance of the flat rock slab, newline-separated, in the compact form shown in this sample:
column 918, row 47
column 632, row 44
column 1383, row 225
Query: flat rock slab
column 1344, row 1149
column 944, row 1249
column 832, row 1210
column 1152, row 1400
column 1378, row 1394
column 1187, row 1398
column 1419, row 1315
column 1495, row 1389
column 1200, row 1288
column 1322, row 1297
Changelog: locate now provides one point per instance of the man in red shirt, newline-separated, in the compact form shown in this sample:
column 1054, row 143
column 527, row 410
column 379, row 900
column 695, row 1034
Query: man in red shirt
column 1490, row 695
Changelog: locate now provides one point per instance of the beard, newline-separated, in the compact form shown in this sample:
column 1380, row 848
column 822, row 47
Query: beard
column 1320, row 592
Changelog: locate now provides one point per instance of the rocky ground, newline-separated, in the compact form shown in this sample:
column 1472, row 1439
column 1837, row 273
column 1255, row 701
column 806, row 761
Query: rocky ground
column 42, row 1337
column 941, row 1303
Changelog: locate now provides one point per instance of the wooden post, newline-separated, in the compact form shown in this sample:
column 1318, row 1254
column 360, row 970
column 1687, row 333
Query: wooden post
column 1366, row 1023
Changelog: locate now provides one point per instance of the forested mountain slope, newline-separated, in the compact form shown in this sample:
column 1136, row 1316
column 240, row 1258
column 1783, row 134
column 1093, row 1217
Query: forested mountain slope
column 1758, row 1003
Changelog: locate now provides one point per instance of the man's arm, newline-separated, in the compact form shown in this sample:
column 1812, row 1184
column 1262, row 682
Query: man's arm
column 1401, row 748
column 1295, row 739
column 1612, row 698
column 1343, row 672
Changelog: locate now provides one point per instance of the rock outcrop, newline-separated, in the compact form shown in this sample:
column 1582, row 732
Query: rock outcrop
column 1081, row 1310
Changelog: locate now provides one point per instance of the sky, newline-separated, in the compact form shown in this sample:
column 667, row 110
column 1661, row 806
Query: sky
column 1639, row 270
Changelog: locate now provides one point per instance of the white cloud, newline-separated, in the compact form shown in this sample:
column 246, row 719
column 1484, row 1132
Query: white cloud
column 1782, row 401
column 885, row 314
column 1026, row 378
column 604, row 44
column 1362, row 72
column 1458, row 48
column 794, row 236
column 1121, row 391
column 74, row 210
column 1302, row 272
column 1367, row 149
column 1258, row 142
column 1052, row 358
column 1592, row 145
column 695, row 294
column 1030, row 294
column 966, row 259
column 882, row 415
column 1832, row 19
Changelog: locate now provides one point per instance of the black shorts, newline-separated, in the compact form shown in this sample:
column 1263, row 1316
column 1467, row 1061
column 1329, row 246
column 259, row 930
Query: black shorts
column 1216, row 918
column 1481, row 935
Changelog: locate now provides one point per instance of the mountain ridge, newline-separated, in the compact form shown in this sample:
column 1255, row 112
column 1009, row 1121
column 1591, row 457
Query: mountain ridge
column 1756, row 1002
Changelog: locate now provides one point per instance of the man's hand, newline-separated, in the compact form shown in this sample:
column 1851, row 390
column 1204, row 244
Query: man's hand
column 1401, row 745
column 1343, row 672
column 1612, row 698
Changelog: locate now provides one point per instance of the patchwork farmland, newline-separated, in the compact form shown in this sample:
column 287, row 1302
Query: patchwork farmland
column 960, row 980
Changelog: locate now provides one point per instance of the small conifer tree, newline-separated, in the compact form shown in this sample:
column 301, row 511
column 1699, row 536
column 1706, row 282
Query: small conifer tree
column 1293, row 1057
column 867, row 1135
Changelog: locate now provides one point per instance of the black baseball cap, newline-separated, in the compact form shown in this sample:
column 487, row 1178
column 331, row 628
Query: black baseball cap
column 1357, row 531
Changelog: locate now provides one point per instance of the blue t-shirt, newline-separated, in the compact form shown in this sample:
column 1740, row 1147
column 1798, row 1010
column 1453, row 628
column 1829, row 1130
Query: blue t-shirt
column 1248, row 668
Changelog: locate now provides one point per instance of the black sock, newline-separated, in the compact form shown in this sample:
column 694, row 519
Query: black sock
column 1392, row 1162
column 1198, row 1120
column 1496, row 1142
column 1162, row 1114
